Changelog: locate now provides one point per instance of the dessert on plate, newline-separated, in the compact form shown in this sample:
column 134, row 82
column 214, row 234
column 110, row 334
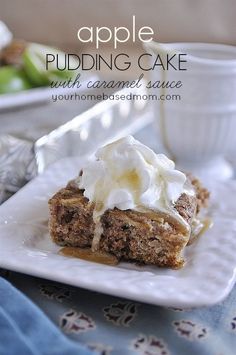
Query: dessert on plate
column 130, row 203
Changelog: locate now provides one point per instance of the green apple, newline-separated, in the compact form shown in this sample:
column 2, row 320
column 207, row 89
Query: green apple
column 34, row 59
column 12, row 80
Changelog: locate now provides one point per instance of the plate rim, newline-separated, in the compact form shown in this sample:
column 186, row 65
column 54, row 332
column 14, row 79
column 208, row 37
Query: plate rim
column 61, row 178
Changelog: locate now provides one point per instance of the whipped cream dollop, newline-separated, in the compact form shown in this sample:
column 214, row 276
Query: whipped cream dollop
column 5, row 35
column 128, row 175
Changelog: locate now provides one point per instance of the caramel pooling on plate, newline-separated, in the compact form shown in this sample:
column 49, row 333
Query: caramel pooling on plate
column 89, row 255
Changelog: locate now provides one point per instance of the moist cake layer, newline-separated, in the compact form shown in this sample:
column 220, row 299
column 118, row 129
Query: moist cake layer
column 148, row 237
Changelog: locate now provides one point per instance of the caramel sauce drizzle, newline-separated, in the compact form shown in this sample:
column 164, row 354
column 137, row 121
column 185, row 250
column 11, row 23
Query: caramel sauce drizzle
column 205, row 224
column 102, row 257
column 89, row 255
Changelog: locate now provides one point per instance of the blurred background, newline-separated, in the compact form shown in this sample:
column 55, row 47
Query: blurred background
column 56, row 21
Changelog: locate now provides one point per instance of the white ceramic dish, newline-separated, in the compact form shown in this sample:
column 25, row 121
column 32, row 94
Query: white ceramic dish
column 198, row 129
column 207, row 277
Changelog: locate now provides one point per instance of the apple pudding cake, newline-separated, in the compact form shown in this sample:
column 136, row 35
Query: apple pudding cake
column 130, row 203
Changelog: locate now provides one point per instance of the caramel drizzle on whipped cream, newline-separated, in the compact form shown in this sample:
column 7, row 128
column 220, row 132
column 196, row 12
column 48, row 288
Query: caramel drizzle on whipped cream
column 130, row 176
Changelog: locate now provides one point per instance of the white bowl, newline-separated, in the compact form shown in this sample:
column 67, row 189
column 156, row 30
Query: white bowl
column 199, row 130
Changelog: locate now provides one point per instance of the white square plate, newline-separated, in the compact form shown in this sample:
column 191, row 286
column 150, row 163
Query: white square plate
column 207, row 277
